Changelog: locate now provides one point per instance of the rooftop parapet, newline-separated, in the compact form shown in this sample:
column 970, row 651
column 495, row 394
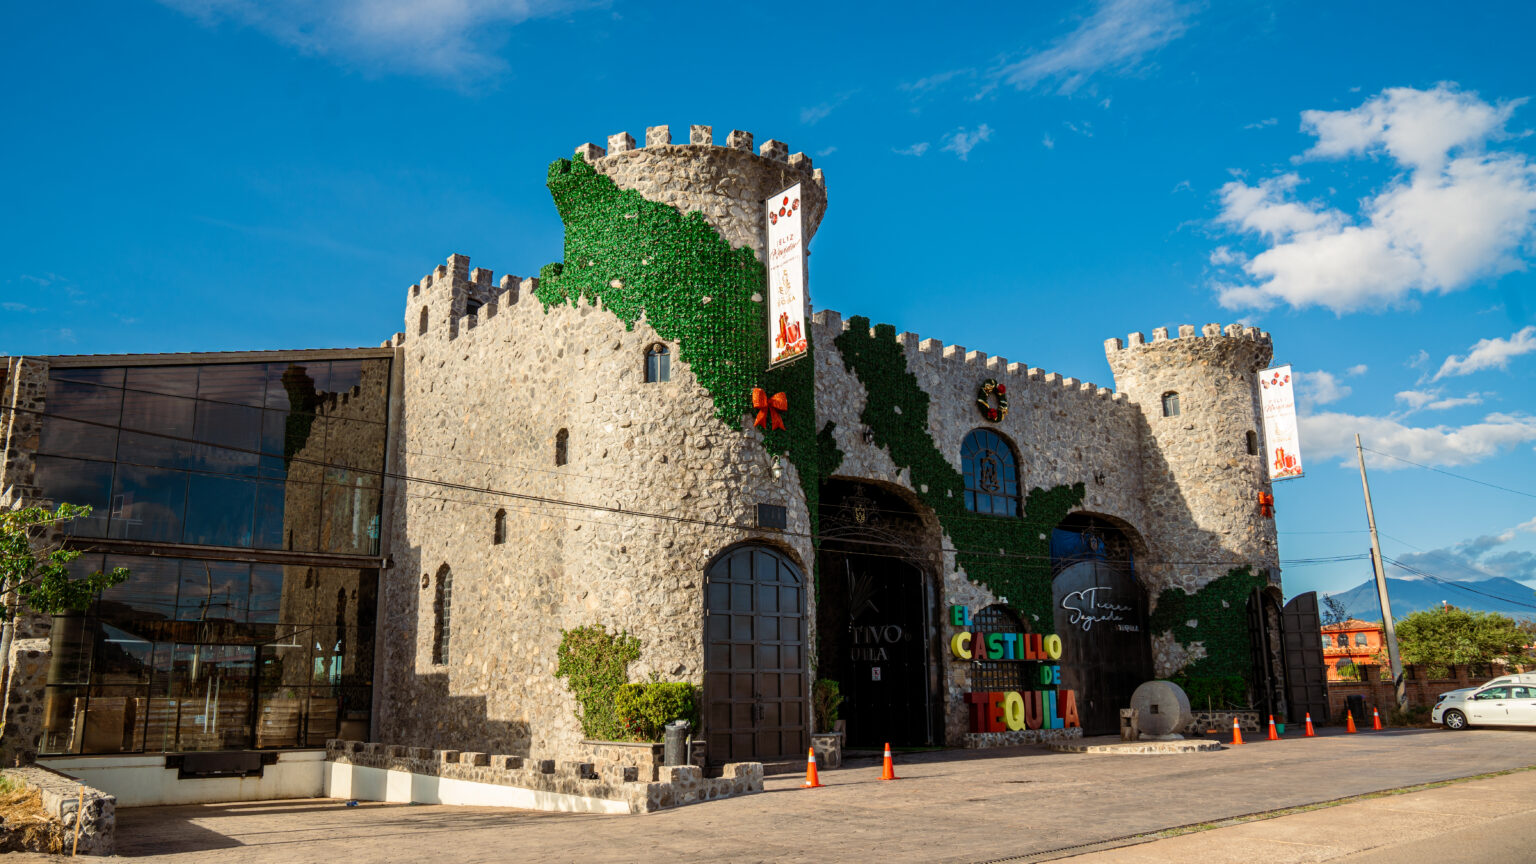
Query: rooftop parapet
column 966, row 362
column 1187, row 331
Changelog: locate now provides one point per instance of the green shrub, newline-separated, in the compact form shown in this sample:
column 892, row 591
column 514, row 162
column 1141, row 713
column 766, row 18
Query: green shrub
column 826, row 698
column 644, row 709
column 595, row 664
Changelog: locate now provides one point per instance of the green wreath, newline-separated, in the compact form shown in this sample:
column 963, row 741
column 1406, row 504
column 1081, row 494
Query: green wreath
column 989, row 388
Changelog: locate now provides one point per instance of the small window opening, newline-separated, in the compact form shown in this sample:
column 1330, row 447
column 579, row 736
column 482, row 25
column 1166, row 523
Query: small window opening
column 658, row 364
column 562, row 447
column 1253, row 443
column 499, row 533
column 423, row 327
column 442, row 616
column 1170, row 404
column 472, row 306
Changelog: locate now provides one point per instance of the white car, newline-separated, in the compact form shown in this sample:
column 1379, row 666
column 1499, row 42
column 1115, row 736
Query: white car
column 1500, row 702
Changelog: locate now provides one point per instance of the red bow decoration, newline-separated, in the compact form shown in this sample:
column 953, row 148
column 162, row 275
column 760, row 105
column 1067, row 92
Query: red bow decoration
column 768, row 408
column 1266, row 505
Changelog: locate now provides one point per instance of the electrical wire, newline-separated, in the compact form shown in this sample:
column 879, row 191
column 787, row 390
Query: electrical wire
column 1451, row 583
column 1451, row 474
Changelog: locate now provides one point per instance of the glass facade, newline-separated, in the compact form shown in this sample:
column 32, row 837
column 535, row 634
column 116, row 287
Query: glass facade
column 193, row 653
column 256, row 455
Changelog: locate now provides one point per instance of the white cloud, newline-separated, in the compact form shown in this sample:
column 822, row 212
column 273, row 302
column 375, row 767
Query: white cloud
column 810, row 116
column 1455, row 214
column 1490, row 354
column 961, row 142
column 1329, row 435
column 1048, row 142
column 1431, row 400
column 1357, row 369
column 1319, row 388
column 826, row 151
column 1269, row 121
column 1116, row 36
column 1471, row 559
column 455, row 40
column 934, row 82
column 1224, row 256
column 917, row 149
column 1417, row 360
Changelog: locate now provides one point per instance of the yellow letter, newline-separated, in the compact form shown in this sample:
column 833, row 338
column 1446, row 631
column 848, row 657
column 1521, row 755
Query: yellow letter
column 959, row 645
column 1013, row 711
column 1053, row 646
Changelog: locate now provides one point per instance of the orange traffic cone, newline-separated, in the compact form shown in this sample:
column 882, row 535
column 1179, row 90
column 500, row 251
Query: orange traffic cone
column 1375, row 719
column 1273, row 736
column 1310, row 733
column 890, row 769
column 1349, row 725
column 1237, row 734
column 811, row 782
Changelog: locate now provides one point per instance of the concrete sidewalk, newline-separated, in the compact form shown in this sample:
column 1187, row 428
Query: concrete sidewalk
column 1492, row 820
column 958, row 806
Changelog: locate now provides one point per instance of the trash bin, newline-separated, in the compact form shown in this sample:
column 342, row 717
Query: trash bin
column 675, row 743
column 1355, row 705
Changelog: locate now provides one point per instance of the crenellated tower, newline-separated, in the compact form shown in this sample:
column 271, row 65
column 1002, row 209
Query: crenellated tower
column 1203, row 468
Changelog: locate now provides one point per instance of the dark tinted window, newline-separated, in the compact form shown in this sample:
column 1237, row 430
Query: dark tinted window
column 991, row 474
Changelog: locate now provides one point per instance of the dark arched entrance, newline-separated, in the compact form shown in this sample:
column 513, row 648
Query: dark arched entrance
column 874, row 616
column 754, row 656
column 1101, row 615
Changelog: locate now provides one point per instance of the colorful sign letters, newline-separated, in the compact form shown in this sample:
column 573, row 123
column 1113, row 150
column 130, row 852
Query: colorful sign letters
column 1048, row 707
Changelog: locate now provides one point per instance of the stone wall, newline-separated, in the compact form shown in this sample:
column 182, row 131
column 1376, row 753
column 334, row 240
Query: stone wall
column 24, row 385
column 1013, row 738
column 70, row 801
column 484, row 397
column 612, row 781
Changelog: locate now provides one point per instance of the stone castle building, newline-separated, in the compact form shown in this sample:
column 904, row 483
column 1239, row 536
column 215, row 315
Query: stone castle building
column 390, row 542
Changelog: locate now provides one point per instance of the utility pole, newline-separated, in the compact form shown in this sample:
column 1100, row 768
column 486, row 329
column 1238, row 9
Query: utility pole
column 1381, row 587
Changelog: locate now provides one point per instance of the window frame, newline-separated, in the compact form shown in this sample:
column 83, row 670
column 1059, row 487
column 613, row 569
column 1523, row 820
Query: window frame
column 973, row 446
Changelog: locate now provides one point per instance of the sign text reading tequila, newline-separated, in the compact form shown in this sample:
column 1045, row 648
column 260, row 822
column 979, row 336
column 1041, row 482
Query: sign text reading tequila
column 1011, row 710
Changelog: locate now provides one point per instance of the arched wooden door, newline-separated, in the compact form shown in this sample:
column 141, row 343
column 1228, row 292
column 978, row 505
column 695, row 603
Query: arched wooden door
column 754, row 657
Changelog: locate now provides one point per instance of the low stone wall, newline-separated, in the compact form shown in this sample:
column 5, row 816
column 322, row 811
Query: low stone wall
column 62, row 800
column 829, row 750
column 647, row 757
column 984, row 740
column 1221, row 721
column 605, row 781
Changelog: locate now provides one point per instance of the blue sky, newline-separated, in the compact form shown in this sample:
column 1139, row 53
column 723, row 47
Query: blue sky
column 1356, row 178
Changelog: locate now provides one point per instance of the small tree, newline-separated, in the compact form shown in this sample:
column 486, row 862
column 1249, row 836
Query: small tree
column 1447, row 635
column 36, row 568
column 1334, row 611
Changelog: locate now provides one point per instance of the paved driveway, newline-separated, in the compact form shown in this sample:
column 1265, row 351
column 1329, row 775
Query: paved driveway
column 950, row 806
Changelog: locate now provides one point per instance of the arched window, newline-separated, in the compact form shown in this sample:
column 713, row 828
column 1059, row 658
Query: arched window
column 562, row 447
column 423, row 327
column 1253, row 443
column 991, row 474
column 1170, row 404
column 998, row 673
column 499, row 533
column 658, row 364
column 442, row 616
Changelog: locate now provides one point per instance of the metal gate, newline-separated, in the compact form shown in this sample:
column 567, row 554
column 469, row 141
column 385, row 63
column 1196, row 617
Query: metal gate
column 1306, row 675
column 754, row 659
column 1101, row 617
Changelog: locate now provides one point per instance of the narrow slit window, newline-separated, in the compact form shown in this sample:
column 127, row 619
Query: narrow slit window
column 1253, row 443
column 442, row 616
column 499, row 532
column 562, row 447
column 658, row 364
column 1170, row 404
column 422, row 328
column 472, row 306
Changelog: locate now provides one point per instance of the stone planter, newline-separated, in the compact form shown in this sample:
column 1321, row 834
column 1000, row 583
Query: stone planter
column 645, row 756
column 829, row 749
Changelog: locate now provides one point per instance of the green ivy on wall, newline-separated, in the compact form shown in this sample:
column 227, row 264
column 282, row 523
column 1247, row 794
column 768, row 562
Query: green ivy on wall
column 632, row 256
column 1010, row 556
column 595, row 664
column 1220, row 612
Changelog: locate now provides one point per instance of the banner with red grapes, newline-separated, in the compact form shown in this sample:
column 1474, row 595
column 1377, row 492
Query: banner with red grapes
column 787, row 336
column 1282, row 446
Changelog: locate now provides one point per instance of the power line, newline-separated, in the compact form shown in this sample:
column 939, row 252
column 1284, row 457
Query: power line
column 557, row 502
column 1451, row 583
column 1451, row 474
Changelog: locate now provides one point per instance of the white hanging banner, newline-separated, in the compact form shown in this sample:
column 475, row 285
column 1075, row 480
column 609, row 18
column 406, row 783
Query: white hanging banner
column 1282, row 446
column 787, row 337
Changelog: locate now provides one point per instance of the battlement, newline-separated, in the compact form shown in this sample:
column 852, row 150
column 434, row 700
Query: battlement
column 963, row 360
column 1187, row 331
column 701, row 138
column 459, row 296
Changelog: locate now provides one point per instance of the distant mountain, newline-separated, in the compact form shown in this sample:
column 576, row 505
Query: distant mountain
column 1505, row 596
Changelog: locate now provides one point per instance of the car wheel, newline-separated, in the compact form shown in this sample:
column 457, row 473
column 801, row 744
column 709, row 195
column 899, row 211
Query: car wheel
column 1455, row 720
